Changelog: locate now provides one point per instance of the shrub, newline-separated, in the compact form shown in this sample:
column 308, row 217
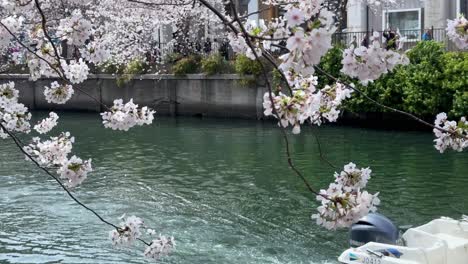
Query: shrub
column 214, row 64
column 110, row 67
column 187, row 65
column 423, row 92
column 331, row 63
column 456, row 80
column 134, row 67
column 434, row 81
column 246, row 66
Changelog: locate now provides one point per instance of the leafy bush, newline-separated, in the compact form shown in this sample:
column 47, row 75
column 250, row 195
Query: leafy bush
column 110, row 67
column 456, row 80
column 214, row 64
column 246, row 66
column 187, row 65
column 134, row 67
column 434, row 81
column 423, row 92
column 330, row 63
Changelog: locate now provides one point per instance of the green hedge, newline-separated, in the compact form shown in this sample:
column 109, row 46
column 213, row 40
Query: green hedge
column 187, row 65
column 435, row 81
column 215, row 64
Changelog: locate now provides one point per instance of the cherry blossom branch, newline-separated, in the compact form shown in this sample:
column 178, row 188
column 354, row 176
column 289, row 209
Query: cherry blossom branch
column 20, row 145
column 31, row 51
column 382, row 105
column 270, row 59
column 59, row 72
column 321, row 154
column 270, row 92
column 44, row 29
column 264, row 38
column 252, row 13
column 161, row 4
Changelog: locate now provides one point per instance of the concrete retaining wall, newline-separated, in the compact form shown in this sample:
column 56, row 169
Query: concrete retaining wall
column 220, row 95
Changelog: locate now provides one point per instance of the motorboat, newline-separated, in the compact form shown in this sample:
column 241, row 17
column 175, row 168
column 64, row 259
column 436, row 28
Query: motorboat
column 375, row 240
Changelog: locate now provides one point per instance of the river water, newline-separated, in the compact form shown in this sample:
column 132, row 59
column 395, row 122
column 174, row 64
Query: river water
column 222, row 188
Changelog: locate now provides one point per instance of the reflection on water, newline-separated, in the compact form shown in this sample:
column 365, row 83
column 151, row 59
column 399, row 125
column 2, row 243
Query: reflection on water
column 221, row 187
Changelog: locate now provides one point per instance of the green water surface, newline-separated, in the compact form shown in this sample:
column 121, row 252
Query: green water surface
column 222, row 188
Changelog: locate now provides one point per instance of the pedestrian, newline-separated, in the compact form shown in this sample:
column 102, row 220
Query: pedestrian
column 216, row 46
column 353, row 43
column 365, row 41
column 427, row 35
column 390, row 38
column 207, row 46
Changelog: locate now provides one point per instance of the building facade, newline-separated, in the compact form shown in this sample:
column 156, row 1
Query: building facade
column 406, row 15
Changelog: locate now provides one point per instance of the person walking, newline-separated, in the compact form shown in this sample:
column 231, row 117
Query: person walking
column 207, row 46
column 390, row 39
column 353, row 43
column 427, row 35
column 365, row 41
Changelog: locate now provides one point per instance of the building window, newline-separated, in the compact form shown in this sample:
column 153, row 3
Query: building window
column 407, row 21
column 462, row 7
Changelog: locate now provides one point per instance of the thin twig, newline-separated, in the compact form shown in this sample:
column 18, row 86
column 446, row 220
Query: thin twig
column 21, row 147
column 270, row 92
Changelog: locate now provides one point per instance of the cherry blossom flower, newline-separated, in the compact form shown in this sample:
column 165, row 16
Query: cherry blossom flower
column 295, row 17
column 76, row 72
column 368, row 64
column 306, row 103
column 47, row 124
column 160, row 247
column 128, row 232
column 8, row 94
column 14, row 24
column 296, row 41
column 345, row 202
column 75, row 29
column 58, row 94
column 95, row 53
column 13, row 115
column 75, row 171
column 125, row 116
column 352, row 178
column 52, row 152
column 456, row 136
column 457, row 31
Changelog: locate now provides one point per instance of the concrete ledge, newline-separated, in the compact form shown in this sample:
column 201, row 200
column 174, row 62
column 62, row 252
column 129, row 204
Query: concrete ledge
column 146, row 77
column 194, row 94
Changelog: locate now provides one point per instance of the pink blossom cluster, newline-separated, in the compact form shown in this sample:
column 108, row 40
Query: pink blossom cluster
column 159, row 247
column 75, row 171
column 53, row 153
column 457, row 31
column 454, row 135
column 306, row 103
column 128, row 232
column 125, row 116
column 345, row 202
column 76, row 71
column 368, row 64
column 47, row 124
column 57, row 93
column 76, row 29
column 13, row 115
column 14, row 24
column 94, row 52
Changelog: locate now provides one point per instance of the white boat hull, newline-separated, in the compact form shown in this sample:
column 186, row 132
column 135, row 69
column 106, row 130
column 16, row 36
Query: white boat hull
column 441, row 241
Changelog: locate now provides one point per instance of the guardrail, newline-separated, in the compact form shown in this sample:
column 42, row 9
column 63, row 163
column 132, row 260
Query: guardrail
column 410, row 37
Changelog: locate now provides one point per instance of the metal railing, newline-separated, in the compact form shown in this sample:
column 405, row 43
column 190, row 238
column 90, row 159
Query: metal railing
column 409, row 37
column 222, row 47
